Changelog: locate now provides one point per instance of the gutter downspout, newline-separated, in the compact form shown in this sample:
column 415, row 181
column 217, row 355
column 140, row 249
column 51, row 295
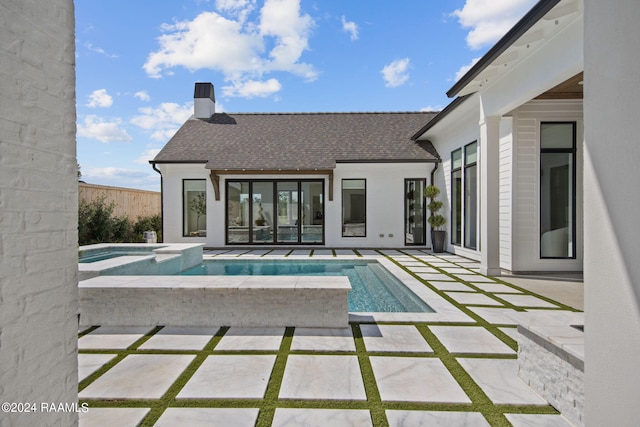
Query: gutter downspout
column 153, row 165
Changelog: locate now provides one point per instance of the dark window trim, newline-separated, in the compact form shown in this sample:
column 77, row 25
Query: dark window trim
column 184, row 219
column 466, row 166
column 573, row 151
column 453, row 170
column 424, row 216
column 275, row 198
column 342, row 207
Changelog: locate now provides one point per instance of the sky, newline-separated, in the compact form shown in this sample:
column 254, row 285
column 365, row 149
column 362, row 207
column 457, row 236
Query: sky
column 137, row 62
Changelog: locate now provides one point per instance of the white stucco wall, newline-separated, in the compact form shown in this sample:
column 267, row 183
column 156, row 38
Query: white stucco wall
column 38, row 211
column 612, row 203
column 384, row 198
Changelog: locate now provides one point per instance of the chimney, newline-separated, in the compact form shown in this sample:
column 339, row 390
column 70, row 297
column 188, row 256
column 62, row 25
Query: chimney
column 204, row 101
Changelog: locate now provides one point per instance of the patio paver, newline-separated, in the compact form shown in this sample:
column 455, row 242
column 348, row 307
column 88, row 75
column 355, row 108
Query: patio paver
column 294, row 417
column 170, row 338
column 251, row 339
column 89, row 363
column 208, row 417
column 416, row 379
column 473, row 298
column 470, row 339
column 112, row 337
column 526, row 301
column 230, row 377
column 435, row 419
column 322, row 377
column 323, row 339
column 138, row 376
column 538, row 420
column 100, row 417
column 394, row 338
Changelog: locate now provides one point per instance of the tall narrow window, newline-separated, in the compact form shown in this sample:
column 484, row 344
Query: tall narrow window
column 414, row 211
column 557, row 190
column 471, row 195
column 456, row 197
column 238, row 212
column 194, row 207
column 354, row 208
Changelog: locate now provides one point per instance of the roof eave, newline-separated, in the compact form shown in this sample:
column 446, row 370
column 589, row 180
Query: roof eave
column 441, row 115
column 519, row 29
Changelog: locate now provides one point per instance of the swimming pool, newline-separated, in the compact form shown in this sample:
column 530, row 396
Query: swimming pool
column 374, row 289
column 110, row 252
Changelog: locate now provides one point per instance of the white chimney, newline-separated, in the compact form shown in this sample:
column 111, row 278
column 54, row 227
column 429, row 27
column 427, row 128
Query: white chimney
column 204, row 101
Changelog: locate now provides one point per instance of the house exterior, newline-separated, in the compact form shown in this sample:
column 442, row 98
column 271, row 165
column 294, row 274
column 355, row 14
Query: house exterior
column 313, row 179
column 511, row 145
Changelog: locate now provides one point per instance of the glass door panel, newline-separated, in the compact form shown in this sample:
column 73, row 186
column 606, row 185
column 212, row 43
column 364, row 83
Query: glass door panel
column 414, row 211
column 238, row 205
column 263, row 208
column 312, row 212
column 288, row 212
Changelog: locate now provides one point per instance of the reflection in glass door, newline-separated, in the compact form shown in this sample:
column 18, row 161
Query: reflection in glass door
column 414, row 211
column 288, row 212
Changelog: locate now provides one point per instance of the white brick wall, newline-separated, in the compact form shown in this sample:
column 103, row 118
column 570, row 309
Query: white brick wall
column 38, row 209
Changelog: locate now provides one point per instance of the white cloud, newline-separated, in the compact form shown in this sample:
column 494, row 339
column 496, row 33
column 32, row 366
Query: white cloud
column 100, row 98
column 95, row 127
column 252, row 88
column 396, row 73
column 235, row 45
column 99, row 50
column 351, row 28
column 164, row 120
column 142, row 95
column 489, row 20
column 147, row 155
column 431, row 109
column 465, row 68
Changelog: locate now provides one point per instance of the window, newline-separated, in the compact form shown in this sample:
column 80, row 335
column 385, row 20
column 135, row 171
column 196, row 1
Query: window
column 456, row 197
column 414, row 211
column 194, row 204
column 464, row 196
column 354, row 208
column 267, row 211
column 557, row 189
column 471, row 195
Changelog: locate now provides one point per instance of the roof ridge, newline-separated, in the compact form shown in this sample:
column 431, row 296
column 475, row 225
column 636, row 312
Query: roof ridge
column 323, row 113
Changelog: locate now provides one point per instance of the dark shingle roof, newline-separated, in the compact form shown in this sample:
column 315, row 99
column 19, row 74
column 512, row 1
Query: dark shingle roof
column 297, row 140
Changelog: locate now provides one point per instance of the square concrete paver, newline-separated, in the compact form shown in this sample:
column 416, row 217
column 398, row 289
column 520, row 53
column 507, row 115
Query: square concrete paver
column 497, row 287
column 435, row 276
column 497, row 316
column 112, row 337
column 435, row 419
column 138, row 376
column 263, row 339
column 100, row 417
column 526, row 301
column 89, row 363
column 323, row 339
column 473, row 298
column 230, row 377
column 178, row 338
column 394, row 338
column 474, row 278
column 499, row 379
column 322, row 377
column 456, row 270
column 538, row 420
column 451, row 286
column 208, row 417
column 423, row 269
column 293, row 417
column 416, row 379
column 470, row 339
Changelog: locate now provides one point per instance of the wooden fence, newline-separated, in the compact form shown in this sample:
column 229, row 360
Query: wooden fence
column 127, row 202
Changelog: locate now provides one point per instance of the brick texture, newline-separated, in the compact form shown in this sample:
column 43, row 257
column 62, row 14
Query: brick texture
column 38, row 210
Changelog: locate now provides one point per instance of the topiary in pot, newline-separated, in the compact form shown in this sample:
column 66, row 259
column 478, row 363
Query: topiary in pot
column 435, row 220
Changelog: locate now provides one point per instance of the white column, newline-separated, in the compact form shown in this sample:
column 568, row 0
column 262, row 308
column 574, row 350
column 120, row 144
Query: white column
column 490, row 195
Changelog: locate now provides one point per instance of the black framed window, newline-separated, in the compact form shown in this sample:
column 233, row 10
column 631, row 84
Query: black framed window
column 414, row 211
column 354, row 208
column 456, row 197
column 275, row 211
column 471, row 195
column 194, row 208
column 557, row 189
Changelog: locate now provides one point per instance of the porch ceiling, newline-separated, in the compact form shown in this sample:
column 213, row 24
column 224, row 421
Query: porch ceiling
column 569, row 89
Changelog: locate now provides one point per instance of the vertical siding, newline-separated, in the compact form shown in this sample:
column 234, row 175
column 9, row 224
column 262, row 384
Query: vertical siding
column 526, row 205
column 506, row 191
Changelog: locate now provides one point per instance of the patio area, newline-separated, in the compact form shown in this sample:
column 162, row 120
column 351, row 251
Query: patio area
column 370, row 374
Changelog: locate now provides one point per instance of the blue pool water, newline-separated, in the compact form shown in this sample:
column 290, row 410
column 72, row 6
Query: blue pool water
column 374, row 289
column 95, row 255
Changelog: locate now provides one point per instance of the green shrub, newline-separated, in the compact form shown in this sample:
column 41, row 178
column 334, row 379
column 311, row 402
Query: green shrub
column 97, row 224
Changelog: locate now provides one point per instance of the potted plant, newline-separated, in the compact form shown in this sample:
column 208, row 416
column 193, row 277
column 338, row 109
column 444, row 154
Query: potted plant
column 435, row 220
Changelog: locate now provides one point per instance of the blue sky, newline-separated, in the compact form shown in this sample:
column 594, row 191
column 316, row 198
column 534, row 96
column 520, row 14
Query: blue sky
column 137, row 62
